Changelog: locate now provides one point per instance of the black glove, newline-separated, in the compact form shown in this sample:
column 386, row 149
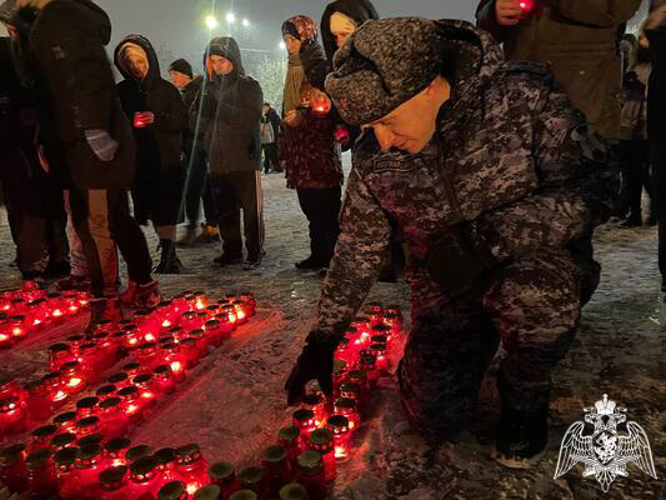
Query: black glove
column 315, row 362
column 459, row 257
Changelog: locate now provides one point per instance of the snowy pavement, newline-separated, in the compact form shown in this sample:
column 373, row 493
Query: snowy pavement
column 235, row 405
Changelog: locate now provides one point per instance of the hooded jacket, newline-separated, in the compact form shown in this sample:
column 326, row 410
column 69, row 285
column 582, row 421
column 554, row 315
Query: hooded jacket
column 160, row 145
column 189, row 94
column 510, row 156
column 317, row 67
column 77, row 89
column 229, row 108
column 578, row 41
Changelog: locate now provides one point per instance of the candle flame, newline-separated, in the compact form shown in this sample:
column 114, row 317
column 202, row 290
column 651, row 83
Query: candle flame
column 60, row 395
column 36, row 322
column 232, row 317
column 132, row 409
column 150, row 337
column 175, row 366
column 57, row 313
column 166, row 323
column 192, row 488
column 3, row 337
column 118, row 462
column 147, row 395
column 240, row 314
column 133, row 341
column 74, row 381
column 340, row 452
column 200, row 305
column 16, row 331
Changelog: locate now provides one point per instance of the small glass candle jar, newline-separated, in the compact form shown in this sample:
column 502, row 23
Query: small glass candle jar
column 86, row 426
column 189, row 321
column 340, row 370
column 317, row 405
column 191, row 467
column 75, row 342
column 147, row 396
column 65, row 421
column 144, row 478
column 113, row 483
column 277, row 468
column 378, row 351
column 191, row 352
column 293, row 491
column 241, row 315
column 105, row 392
column 360, row 378
column 56, row 388
column 201, row 341
column 114, row 419
column 132, row 369
column 59, row 354
column 290, row 439
column 310, row 473
column 131, row 403
column 115, row 450
column 223, row 474
column 249, row 302
column 166, row 464
column 304, row 420
column 42, row 479
column 345, row 351
column 13, row 416
column 230, row 311
column 89, row 440
column 214, row 332
column 18, row 326
column 164, row 381
column 88, row 468
column 120, row 380
column 148, row 355
column 321, row 440
column 137, row 452
column 212, row 310
column 178, row 333
column 226, row 326
column 209, row 492
column 64, row 465
column 173, row 490
column 13, row 473
column 254, row 479
column 351, row 391
column 347, row 408
column 342, row 437
column 244, row 495
column 175, row 359
column 87, row 407
column 63, row 440
column 73, row 377
column 38, row 401
column 42, row 436
column 6, row 339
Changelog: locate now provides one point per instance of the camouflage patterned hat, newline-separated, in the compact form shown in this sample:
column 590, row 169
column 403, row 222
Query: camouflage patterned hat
column 8, row 11
column 384, row 64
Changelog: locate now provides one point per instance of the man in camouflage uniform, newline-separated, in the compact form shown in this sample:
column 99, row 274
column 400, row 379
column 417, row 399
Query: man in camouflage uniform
column 490, row 173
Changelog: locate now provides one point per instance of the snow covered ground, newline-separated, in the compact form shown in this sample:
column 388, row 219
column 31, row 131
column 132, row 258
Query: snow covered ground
column 235, row 406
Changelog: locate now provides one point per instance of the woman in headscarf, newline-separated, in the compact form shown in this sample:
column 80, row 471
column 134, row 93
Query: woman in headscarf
column 308, row 150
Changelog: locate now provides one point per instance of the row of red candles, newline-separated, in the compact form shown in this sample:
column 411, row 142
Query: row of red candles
column 327, row 436
column 162, row 343
column 120, row 403
column 30, row 310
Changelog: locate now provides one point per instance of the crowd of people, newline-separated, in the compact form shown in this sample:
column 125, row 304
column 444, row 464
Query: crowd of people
column 493, row 164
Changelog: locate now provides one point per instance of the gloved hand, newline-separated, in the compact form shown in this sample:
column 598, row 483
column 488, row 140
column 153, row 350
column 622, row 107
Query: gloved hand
column 459, row 257
column 102, row 144
column 315, row 362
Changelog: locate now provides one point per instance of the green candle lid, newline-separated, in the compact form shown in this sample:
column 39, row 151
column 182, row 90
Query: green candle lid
column 310, row 459
column 321, row 437
column 172, row 491
column 210, row 492
column 66, row 456
column 251, row 475
column 244, row 495
column 293, row 491
column 221, row 471
column 117, row 444
column 137, row 452
column 275, row 453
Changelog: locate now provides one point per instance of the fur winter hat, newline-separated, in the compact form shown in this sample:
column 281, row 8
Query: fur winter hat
column 302, row 28
column 384, row 64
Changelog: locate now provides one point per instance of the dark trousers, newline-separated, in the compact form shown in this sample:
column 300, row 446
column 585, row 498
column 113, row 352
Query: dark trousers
column 102, row 220
column 634, row 158
column 271, row 161
column 322, row 209
column 198, row 186
column 232, row 192
column 658, row 160
column 531, row 305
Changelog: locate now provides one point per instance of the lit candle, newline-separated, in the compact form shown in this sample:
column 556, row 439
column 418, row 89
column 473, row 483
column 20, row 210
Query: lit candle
column 114, row 419
column 164, row 379
column 65, row 421
column 64, row 465
column 42, row 479
column 56, row 389
column 304, row 420
column 86, row 426
column 321, row 440
column 317, row 405
column 59, row 354
column 191, row 467
column 277, row 469
column 115, row 450
column 114, row 483
column 13, row 473
column 223, row 474
column 63, row 440
column 42, row 436
column 106, row 391
column 87, row 407
column 342, row 438
column 137, row 452
column 347, row 408
column 18, row 327
column 290, row 439
column 38, row 401
column 88, row 468
column 131, row 404
column 12, row 416
column 252, row 478
column 166, row 464
column 73, row 377
column 214, row 333
column 310, row 473
column 144, row 478
column 250, row 303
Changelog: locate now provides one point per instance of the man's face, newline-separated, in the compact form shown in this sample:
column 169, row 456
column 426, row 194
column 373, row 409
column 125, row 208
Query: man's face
column 179, row 79
column 137, row 66
column 221, row 65
column 411, row 126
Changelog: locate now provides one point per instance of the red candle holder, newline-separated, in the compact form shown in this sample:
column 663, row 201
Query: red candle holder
column 65, row 421
column 290, row 439
column 342, row 436
column 42, row 479
column 90, row 439
column 87, row 407
column 132, row 369
column 250, row 303
column 378, row 351
column 191, row 467
column 105, row 392
column 226, row 326
column 114, row 418
column 18, row 326
column 13, row 472
column 75, row 342
column 241, row 315
column 137, row 452
column 64, row 461
column 165, row 382
column 13, row 416
column 38, row 401
column 310, row 473
column 189, row 320
column 63, row 440
column 368, row 363
column 144, row 479
column 321, row 440
column 223, row 474
column 120, row 380
column 230, row 311
column 115, row 450
column 352, row 391
column 148, row 355
column 277, row 468
column 6, row 339
column 87, row 426
column 88, row 468
column 214, row 332
column 72, row 304
column 253, row 479
column 9, row 388
column 55, row 385
column 294, row 491
column 37, row 313
column 173, row 490
column 132, row 405
column 73, row 378
column 166, row 464
column 317, row 405
column 178, row 333
column 176, row 360
column 59, row 354
column 114, row 483
column 304, row 420
column 90, row 359
column 199, row 337
column 42, row 437
column 360, row 378
column 147, row 396
column 191, row 352
column 347, row 408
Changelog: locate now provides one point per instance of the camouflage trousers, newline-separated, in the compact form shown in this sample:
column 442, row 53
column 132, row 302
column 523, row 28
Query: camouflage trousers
column 531, row 305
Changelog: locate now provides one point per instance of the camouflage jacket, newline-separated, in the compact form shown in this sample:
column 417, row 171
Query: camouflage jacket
column 510, row 154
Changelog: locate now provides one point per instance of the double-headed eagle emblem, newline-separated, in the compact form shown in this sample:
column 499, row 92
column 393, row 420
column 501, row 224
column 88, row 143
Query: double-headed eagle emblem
column 605, row 453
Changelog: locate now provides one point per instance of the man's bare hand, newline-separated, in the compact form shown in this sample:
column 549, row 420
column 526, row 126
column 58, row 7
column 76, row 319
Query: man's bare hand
column 508, row 12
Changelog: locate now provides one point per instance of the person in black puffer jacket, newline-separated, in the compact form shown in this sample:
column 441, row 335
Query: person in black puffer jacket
column 158, row 114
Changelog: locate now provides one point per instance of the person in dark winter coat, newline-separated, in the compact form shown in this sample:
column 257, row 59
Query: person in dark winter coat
column 308, row 150
column 197, row 185
column 35, row 205
column 158, row 114
column 229, row 106
column 491, row 173
column 89, row 146
column 270, row 131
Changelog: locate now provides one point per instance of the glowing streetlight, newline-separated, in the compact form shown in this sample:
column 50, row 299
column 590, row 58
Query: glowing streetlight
column 211, row 22
column 231, row 18
column 246, row 23
column 283, row 46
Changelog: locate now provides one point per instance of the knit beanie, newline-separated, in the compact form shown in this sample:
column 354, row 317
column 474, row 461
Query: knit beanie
column 182, row 66
column 383, row 64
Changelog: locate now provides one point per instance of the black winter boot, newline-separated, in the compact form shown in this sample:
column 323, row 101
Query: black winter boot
column 169, row 262
column 103, row 309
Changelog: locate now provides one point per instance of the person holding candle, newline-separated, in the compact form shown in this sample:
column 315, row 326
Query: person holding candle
column 159, row 116
column 490, row 173
column 307, row 147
